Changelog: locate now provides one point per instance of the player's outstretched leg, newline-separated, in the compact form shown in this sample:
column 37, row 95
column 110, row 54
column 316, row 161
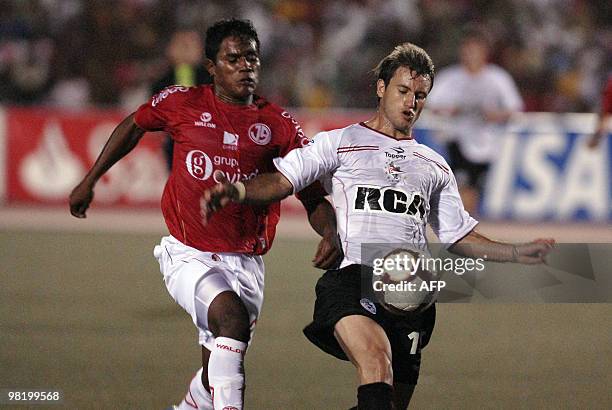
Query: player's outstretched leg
column 228, row 320
column 367, row 346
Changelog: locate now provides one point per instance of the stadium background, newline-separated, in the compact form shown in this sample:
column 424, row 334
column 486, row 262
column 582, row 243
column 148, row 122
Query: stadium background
column 83, row 307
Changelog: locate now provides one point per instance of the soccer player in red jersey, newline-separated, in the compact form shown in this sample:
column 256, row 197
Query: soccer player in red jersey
column 222, row 132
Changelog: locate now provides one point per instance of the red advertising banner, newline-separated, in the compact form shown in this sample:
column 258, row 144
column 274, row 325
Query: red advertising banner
column 49, row 151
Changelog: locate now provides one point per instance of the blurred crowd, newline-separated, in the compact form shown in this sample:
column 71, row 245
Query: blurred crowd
column 316, row 54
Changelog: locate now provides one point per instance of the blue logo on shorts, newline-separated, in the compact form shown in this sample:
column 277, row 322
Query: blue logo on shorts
column 368, row 305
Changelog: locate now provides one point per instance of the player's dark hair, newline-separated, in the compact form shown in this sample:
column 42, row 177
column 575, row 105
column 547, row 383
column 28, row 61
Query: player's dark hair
column 405, row 55
column 222, row 29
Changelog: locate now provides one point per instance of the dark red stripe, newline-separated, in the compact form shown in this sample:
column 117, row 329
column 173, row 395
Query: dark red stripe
column 356, row 149
column 363, row 124
column 194, row 404
column 359, row 146
column 442, row 167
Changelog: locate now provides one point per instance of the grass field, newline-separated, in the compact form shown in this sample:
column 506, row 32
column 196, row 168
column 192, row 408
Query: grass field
column 88, row 314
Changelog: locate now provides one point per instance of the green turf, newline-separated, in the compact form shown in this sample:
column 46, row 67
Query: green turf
column 89, row 314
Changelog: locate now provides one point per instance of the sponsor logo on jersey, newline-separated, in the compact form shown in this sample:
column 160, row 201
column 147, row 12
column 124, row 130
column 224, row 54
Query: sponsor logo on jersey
column 238, row 175
column 260, row 133
column 299, row 133
column 368, row 305
column 166, row 92
column 228, row 348
column 391, row 200
column 198, row 165
column 205, row 118
column 230, row 162
column 396, row 153
column 230, row 141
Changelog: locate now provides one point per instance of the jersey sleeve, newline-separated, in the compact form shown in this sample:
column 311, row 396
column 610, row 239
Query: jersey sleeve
column 447, row 216
column 509, row 93
column 295, row 137
column 303, row 166
column 154, row 114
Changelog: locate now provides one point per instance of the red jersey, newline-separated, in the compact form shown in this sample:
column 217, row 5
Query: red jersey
column 211, row 135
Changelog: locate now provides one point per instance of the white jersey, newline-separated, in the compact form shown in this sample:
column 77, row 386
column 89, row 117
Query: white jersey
column 383, row 190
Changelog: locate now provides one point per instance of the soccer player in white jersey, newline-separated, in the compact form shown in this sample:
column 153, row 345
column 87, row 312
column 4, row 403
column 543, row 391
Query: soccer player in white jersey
column 385, row 187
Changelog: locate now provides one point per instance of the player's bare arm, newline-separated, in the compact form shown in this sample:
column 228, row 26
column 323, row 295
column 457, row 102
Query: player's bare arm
column 122, row 140
column 322, row 218
column 262, row 190
column 600, row 132
column 272, row 187
column 476, row 245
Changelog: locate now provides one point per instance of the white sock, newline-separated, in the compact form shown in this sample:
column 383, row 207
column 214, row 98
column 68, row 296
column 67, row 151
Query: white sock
column 197, row 397
column 226, row 373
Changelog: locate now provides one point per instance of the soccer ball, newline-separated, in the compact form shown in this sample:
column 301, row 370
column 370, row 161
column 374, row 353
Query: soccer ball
column 406, row 285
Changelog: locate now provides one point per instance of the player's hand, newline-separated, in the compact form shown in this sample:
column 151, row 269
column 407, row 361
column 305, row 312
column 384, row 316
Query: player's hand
column 217, row 197
column 534, row 252
column 594, row 140
column 329, row 252
column 80, row 198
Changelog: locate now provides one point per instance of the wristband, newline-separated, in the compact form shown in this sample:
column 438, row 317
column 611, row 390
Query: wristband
column 241, row 189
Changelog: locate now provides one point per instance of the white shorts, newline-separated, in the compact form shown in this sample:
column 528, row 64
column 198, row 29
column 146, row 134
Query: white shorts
column 194, row 278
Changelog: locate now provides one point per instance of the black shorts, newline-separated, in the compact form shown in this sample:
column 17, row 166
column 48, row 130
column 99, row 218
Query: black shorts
column 339, row 294
column 469, row 173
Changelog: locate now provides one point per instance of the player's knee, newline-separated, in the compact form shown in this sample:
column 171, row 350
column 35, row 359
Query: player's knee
column 228, row 317
column 375, row 366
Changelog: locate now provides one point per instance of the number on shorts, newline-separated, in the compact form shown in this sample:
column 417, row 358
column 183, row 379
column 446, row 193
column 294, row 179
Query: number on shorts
column 414, row 337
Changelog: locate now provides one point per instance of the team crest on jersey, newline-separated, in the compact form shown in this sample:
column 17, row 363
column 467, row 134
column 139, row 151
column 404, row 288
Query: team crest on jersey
column 205, row 118
column 393, row 172
column 260, row 133
column 368, row 305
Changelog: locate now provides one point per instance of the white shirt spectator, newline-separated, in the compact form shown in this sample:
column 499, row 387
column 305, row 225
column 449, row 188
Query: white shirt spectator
column 471, row 95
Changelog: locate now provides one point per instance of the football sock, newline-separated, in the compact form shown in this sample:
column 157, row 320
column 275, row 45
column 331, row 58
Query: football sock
column 375, row 396
column 197, row 397
column 226, row 373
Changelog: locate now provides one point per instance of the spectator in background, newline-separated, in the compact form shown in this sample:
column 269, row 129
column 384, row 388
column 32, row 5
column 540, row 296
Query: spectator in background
column 604, row 115
column 478, row 98
column 184, row 52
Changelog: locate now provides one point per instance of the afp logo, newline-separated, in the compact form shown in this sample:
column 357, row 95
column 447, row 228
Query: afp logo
column 199, row 165
column 375, row 199
column 260, row 133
